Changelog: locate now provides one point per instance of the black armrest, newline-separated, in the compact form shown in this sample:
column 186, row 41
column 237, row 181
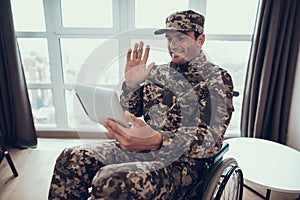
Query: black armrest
column 218, row 156
column 236, row 93
column 221, row 152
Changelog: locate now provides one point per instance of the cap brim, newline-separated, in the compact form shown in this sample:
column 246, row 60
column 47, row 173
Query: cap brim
column 161, row 31
column 164, row 30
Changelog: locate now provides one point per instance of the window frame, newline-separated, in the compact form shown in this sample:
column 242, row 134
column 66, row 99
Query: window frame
column 123, row 20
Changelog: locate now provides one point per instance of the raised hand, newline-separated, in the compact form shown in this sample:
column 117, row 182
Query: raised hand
column 136, row 70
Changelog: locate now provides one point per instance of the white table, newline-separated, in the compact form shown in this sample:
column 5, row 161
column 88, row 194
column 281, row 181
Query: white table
column 266, row 163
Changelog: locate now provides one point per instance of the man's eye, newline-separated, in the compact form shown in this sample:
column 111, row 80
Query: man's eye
column 180, row 38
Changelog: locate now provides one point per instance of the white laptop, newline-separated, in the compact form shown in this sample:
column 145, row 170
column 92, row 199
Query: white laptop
column 100, row 103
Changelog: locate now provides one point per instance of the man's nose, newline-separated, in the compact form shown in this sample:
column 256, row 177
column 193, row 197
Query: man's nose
column 174, row 44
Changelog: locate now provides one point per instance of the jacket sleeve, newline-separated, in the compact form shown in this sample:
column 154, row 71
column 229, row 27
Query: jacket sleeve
column 131, row 100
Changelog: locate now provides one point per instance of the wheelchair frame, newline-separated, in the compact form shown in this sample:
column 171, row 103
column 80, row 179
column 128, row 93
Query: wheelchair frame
column 218, row 172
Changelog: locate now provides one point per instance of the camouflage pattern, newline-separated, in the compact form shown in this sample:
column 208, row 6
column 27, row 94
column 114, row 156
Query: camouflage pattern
column 116, row 174
column 191, row 105
column 184, row 21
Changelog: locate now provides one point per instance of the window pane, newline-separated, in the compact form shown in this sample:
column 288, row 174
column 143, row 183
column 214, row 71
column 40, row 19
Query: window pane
column 42, row 106
column 92, row 13
column 90, row 57
column 230, row 16
column 77, row 118
column 112, row 74
column 152, row 14
column 35, row 59
column 232, row 56
column 28, row 15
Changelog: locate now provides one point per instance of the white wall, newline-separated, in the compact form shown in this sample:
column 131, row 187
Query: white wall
column 293, row 138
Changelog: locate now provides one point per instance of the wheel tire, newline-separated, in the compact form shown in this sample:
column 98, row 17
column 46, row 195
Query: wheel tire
column 226, row 181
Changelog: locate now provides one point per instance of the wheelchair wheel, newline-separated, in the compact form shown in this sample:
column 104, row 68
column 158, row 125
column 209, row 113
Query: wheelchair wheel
column 226, row 181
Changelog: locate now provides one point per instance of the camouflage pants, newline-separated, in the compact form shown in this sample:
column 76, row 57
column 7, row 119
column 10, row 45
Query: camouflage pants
column 112, row 173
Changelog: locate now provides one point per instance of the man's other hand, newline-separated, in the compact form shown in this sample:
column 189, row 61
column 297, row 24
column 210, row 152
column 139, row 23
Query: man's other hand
column 139, row 137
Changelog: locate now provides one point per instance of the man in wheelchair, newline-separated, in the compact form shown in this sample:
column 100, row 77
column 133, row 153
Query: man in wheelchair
column 186, row 107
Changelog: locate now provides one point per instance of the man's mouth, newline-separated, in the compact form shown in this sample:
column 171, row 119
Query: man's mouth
column 177, row 54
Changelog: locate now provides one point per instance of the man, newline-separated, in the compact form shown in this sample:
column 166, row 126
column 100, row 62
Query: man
column 186, row 107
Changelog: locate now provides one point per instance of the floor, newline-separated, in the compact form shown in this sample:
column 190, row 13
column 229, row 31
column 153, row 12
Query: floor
column 35, row 169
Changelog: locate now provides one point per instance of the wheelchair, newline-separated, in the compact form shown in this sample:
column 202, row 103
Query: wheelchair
column 222, row 179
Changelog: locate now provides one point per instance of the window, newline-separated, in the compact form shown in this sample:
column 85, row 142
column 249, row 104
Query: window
column 28, row 18
column 145, row 8
column 86, row 14
column 64, row 41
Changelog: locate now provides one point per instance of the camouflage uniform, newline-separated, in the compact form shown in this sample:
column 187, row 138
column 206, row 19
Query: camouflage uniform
column 190, row 104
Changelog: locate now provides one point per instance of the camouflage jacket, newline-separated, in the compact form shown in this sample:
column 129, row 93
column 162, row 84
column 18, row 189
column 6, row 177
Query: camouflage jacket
column 191, row 105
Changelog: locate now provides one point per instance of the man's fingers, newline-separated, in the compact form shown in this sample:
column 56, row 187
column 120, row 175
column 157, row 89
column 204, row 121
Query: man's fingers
column 135, row 49
column 129, row 54
column 141, row 45
column 133, row 118
column 138, row 122
column 140, row 50
column 149, row 68
column 146, row 54
column 128, row 116
column 137, row 52
column 115, row 130
column 110, row 131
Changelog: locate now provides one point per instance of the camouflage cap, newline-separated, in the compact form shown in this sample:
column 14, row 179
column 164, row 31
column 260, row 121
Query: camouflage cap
column 183, row 21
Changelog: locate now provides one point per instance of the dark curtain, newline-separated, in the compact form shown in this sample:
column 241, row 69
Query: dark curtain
column 16, row 121
column 271, row 69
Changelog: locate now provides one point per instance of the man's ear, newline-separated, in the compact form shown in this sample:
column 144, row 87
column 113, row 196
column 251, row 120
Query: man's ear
column 201, row 39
